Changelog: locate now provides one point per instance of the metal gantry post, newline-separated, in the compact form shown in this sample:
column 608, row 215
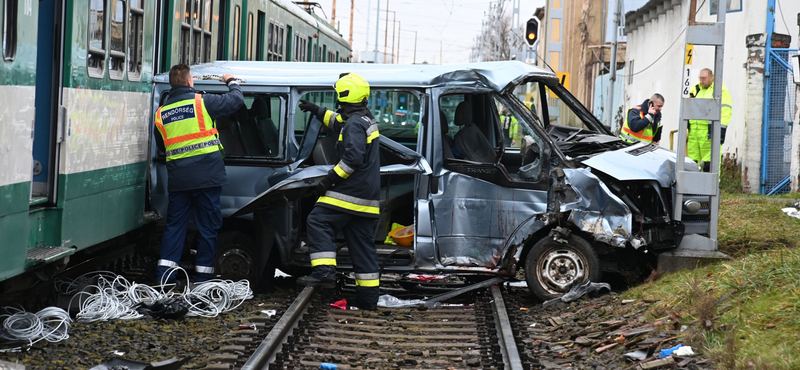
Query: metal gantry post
column 695, row 247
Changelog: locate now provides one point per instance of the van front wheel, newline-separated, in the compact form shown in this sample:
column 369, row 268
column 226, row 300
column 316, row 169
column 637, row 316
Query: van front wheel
column 552, row 267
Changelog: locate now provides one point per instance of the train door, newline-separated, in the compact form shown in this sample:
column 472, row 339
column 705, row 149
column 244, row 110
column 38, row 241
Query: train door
column 48, row 126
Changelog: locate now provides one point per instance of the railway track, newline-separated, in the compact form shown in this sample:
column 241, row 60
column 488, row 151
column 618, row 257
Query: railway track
column 468, row 336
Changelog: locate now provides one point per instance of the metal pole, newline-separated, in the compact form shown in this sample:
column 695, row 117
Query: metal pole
column 386, row 33
column 366, row 39
column 609, row 114
column 333, row 15
column 352, row 5
column 415, row 47
column 441, row 60
column 377, row 26
column 399, row 24
column 394, row 29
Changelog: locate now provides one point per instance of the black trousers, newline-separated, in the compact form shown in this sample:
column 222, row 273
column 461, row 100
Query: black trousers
column 359, row 233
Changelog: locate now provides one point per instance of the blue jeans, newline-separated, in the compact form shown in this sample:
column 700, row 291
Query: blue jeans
column 204, row 203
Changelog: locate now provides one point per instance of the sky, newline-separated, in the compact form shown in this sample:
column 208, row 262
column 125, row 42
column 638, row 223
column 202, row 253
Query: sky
column 449, row 24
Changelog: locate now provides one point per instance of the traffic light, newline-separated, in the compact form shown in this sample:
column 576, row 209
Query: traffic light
column 532, row 31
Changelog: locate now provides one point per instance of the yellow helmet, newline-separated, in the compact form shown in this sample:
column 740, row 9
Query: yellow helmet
column 351, row 88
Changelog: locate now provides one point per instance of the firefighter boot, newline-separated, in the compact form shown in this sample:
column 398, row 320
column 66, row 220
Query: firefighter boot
column 367, row 298
column 321, row 276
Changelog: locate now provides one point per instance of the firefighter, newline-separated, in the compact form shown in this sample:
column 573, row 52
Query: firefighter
column 643, row 122
column 349, row 196
column 194, row 166
column 699, row 141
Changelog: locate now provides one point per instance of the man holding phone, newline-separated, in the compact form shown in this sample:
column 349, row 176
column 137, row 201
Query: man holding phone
column 643, row 122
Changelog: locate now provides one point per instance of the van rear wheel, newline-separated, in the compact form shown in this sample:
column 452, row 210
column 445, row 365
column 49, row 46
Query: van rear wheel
column 552, row 267
column 237, row 256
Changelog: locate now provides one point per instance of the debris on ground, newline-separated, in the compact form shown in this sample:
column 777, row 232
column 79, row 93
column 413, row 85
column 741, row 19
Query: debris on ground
column 577, row 291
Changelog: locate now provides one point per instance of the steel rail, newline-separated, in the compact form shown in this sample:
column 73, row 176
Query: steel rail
column 505, row 335
column 270, row 346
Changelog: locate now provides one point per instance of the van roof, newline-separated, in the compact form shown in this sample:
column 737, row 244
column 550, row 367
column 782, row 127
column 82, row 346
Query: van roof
column 495, row 75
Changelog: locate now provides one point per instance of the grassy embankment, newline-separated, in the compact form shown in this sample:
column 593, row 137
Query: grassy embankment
column 743, row 313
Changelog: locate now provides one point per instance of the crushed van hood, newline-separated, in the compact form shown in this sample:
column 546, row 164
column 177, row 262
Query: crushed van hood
column 639, row 162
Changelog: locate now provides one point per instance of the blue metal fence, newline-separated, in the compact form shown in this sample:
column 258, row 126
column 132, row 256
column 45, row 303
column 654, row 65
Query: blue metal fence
column 776, row 135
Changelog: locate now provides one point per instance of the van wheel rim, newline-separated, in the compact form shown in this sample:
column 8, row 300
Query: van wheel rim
column 235, row 263
column 559, row 269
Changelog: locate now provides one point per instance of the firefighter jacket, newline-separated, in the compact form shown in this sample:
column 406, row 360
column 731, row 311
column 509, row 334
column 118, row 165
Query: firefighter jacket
column 356, row 177
column 640, row 125
column 699, row 138
column 188, row 134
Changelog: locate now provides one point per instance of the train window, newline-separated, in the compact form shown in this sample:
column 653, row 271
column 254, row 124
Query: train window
column 221, row 30
column 237, row 27
column 186, row 33
column 289, row 44
column 280, row 44
column 207, row 6
column 260, row 36
column 116, row 52
column 135, row 39
column 97, row 38
column 196, row 11
column 255, row 130
column 250, row 36
column 269, row 40
column 10, row 29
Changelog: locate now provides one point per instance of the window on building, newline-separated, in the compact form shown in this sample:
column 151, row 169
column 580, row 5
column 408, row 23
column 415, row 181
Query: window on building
column 97, row 38
column 135, row 39
column 10, row 29
column 117, row 50
column 237, row 27
column 260, row 36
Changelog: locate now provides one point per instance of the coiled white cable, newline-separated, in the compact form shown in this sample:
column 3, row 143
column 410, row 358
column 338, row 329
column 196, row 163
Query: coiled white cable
column 50, row 324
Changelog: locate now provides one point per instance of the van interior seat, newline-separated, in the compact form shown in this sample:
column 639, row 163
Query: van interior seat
column 324, row 151
column 229, row 136
column 248, row 129
column 469, row 140
column 266, row 127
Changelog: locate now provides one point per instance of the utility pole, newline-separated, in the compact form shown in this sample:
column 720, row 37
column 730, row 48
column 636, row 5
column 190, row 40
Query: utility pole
column 352, row 5
column 441, row 60
column 398, row 41
column 333, row 15
column 377, row 26
column 394, row 29
column 366, row 39
column 415, row 47
column 609, row 114
column 386, row 33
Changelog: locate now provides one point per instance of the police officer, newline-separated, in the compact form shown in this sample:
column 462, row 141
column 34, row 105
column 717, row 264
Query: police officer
column 699, row 141
column 511, row 135
column 643, row 122
column 349, row 196
column 194, row 164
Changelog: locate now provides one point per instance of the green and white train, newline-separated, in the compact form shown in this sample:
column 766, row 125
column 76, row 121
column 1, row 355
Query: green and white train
column 75, row 86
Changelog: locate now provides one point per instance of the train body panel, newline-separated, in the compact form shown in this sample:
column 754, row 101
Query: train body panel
column 76, row 82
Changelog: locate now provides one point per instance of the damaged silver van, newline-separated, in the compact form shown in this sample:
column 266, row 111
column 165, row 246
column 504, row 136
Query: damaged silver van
column 497, row 166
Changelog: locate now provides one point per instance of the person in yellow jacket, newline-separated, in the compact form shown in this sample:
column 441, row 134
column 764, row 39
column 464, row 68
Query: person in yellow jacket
column 643, row 122
column 511, row 135
column 699, row 138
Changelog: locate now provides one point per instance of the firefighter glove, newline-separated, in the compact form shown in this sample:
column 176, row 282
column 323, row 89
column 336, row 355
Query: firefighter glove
column 307, row 106
column 324, row 185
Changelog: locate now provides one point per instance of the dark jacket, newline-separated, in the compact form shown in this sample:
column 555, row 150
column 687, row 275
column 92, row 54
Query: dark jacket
column 206, row 170
column 638, row 119
column 359, row 155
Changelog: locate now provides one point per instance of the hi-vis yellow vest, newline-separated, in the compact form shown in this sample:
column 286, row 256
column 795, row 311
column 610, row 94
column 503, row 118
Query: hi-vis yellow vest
column 187, row 129
column 647, row 133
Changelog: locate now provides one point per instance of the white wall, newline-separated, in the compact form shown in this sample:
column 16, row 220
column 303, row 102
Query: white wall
column 648, row 42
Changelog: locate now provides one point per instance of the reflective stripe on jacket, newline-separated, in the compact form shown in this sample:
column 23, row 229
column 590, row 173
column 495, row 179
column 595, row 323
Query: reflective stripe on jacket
column 646, row 135
column 187, row 129
column 356, row 176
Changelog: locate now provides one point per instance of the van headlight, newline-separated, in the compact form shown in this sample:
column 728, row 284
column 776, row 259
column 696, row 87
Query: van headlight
column 691, row 206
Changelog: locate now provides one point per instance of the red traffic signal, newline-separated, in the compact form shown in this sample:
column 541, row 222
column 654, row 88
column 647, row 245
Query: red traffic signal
column 532, row 31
